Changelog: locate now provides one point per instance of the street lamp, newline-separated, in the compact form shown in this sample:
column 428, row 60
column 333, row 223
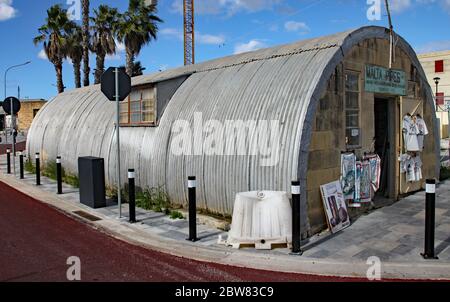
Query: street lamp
column 6, row 73
column 13, row 124
column 436, row 81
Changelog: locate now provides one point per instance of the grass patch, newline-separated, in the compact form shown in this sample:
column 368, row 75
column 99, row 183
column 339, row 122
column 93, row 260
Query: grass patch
column 176, row 215
column 50, row 170
column 71, row 179
column 29, row 166
column 445, row 173
column 68, row 178
column 155, row 199
column 219, row 216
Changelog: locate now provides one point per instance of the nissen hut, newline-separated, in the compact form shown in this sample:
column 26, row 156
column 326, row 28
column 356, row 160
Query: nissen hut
column 258, row 120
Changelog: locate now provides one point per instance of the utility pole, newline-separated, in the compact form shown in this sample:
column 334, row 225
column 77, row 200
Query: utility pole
column 189, row 32
column 391, row 38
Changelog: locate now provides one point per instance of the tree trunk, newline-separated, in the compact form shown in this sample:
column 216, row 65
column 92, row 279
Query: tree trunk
column 86, row 69
column 130, row 62
column 77, row 73
column 59, row 77
column 100, row 68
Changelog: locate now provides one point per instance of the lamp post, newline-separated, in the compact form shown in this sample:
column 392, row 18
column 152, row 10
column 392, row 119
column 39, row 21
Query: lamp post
column 436, row 81
column 4, row 81
column 13, row 122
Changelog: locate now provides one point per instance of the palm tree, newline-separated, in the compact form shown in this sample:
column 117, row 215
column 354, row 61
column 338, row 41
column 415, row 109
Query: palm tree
column 104, row 26
column 138, row 26
column 53, row 35
column 86, row 69
column 138, row 69
column 74, row 51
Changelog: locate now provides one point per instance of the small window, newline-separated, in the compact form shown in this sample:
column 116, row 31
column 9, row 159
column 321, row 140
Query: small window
column 439, row 66
column 139, row 108
column 35, row 112
column 352, row 110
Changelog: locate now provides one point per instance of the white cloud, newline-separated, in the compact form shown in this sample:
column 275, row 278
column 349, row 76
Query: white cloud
column 210, row 39
column 296, row 26
column 250, row 46
column 172, row 32
column 6, row 10
column 199, row 37
column 446, row 4
column 398, row 6
column 229, row 7
column 434, row 46
column 120, row 47
column 42, row 55
column 115, row 57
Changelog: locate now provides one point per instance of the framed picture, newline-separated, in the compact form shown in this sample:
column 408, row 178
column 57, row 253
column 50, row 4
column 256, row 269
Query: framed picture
column 335, row 206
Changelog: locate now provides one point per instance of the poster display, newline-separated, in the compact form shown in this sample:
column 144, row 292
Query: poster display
column 360, row 179
column 366, row 183
column 375, row 171
column 348, row 175
column 335, row 206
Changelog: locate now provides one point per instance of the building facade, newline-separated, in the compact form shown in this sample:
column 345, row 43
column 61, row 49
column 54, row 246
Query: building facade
column 323, row 97
column 29, row 110
column 437, row 64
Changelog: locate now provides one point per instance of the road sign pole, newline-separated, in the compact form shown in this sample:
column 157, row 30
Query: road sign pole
column 116, row 86
column 119, row 195
column 13, row 138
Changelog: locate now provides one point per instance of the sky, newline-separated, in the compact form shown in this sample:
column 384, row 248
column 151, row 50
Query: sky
column 223, row 27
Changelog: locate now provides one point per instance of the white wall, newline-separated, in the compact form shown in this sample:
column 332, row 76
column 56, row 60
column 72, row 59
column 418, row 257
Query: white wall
column 428, row 63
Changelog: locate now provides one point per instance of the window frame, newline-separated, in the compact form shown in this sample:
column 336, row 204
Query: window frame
column 440, row 64
column 346, row 91
column 129, row 113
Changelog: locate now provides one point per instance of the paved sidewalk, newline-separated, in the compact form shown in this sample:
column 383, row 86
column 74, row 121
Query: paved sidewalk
column 394, row 234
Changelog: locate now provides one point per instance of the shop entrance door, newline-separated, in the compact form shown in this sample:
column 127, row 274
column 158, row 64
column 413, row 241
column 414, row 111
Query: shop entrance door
column 385, row 145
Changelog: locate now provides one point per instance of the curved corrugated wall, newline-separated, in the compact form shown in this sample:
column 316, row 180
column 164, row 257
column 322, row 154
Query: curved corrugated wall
column 282, row 83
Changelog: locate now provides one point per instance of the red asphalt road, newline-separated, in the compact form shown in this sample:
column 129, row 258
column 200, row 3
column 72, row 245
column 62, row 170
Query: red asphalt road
column 36, row 240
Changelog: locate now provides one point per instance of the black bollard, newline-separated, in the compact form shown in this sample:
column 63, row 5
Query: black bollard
column 21, row 165
column 132, row 194
column 192, row 184
column 430, row 200
column 8, row 161
column 296, row 235
column 38, row 170
column 59, row 174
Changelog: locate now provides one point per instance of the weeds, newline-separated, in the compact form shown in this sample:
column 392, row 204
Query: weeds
column 155, row 199
column 29, row 166
column 445, row 173
column 176, row 215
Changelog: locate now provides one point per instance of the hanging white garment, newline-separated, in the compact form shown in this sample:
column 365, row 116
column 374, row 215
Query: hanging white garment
column 410, row 131
column 423, row 130
column 417, row 168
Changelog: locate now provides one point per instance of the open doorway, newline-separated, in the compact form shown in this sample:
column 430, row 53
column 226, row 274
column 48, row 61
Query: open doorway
column 384, row 142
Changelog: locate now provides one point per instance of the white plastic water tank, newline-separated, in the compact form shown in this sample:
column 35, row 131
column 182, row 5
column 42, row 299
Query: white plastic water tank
column 261, row 218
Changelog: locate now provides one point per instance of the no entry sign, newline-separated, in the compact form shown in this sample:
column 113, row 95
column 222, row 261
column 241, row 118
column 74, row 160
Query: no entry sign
column 15, row 105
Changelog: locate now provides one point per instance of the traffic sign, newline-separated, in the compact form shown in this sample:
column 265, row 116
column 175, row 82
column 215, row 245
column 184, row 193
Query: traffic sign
column 7, row 105
column 108, row 83
column 116, row 86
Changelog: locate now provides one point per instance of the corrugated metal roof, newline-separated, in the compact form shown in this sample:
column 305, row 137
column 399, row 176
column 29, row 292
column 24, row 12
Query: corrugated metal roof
column 281, row 83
